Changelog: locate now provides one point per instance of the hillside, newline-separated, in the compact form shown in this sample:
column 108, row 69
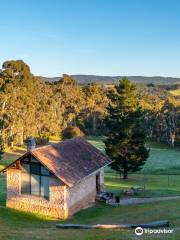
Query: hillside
column 85, row 79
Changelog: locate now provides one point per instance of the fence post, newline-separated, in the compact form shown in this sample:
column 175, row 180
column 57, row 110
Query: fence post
column 144, row 190
column 168, row 181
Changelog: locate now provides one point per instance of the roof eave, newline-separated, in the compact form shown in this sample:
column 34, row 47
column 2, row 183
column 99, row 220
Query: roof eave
column 5, row 169
column 92, row 173
column 64, row 181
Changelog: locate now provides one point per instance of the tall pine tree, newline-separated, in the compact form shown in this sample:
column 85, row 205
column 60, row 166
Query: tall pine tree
column 126, row 137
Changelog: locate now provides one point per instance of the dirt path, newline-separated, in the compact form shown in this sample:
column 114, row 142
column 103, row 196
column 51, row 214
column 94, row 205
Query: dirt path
column 146, row 200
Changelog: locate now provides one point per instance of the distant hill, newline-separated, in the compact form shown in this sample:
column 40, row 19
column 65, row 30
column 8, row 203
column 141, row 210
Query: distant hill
column 49, row 79
column 85, row 79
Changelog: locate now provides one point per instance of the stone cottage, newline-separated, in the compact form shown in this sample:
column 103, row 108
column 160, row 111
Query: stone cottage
column 56, row 180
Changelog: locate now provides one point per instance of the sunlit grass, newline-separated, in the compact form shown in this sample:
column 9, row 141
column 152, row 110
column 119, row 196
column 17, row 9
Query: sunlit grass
column 175, row 92
column 54, row 139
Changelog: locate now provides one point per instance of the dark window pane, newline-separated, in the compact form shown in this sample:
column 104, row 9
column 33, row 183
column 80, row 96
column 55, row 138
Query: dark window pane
column 33, row 159
column 25, row 183
column 35, row 168
column 25, row 167
column 44, row 171
column 26, row 159
column 45, row 186
column 35, row 184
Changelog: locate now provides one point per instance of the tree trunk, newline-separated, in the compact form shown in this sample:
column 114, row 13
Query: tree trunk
column 94, row 123
column 12, row 144
column 172, row 141
column 125, row 175
column 11, row 138
column 125, row 170
column 22, row 137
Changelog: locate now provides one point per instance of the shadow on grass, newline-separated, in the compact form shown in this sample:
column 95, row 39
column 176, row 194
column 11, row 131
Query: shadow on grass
column 91, row 215
column 19, row 218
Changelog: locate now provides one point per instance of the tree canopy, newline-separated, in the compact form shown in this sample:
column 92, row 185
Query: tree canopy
column 33, row 107
column 126, row 136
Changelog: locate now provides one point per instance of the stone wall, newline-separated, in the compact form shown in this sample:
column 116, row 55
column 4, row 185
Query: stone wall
column 102, row 179
column 63, row 201
column 81, row 195
column 35, row 204
column 53, row 207
column 13, row 183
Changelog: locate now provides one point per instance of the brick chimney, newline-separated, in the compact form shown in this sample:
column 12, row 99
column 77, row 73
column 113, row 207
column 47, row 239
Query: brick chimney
column 31, row 144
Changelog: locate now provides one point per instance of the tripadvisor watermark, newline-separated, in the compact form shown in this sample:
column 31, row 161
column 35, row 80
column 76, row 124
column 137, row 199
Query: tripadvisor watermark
column 140, row 231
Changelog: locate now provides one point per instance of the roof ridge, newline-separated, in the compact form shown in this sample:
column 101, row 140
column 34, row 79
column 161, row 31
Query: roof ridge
column 51, row 144
column 44, row 146
column 54, row 144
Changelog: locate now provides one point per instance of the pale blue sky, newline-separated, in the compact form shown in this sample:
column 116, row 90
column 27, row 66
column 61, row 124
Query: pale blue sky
column 105, row 37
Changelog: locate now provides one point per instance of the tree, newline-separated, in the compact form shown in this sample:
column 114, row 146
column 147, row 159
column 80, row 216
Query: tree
column 2, row 126
column 28, row 104
column 95, row 110
column 125, row 143
column 169, row 119
column 72, row 98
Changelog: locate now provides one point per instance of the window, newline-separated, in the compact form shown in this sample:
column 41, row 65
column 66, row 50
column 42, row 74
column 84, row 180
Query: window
column 25, row 186
column 45, row 186
column 35, row 179
column 35, row 184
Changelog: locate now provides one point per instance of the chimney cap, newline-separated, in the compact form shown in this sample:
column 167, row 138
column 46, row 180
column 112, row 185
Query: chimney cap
column 31, row 143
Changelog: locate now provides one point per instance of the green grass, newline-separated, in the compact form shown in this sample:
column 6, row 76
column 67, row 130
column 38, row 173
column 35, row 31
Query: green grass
column 7, row 159
column 160, row 175
column 155, row 185
column 162, row 160
column 97, row 142
column 17, row 225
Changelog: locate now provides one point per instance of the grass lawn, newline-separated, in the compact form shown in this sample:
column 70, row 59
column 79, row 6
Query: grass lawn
column 162, row 160
column 160, row 175
column 18, row 225
column 155, row 185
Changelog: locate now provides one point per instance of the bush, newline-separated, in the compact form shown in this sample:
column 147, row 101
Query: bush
column 71, row 132
column 42, row 139
column 1, row 145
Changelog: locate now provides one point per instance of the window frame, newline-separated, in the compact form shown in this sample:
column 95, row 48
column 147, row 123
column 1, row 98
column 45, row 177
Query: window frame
column 30, row 173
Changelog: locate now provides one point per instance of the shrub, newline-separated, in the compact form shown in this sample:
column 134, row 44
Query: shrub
column 70, row 132
column 42, row 139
